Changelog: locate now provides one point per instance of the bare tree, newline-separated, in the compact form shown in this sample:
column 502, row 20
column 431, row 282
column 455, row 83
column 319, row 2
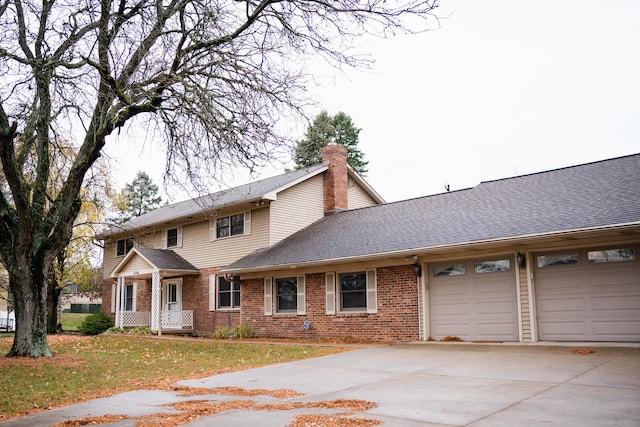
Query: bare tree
column 214, row 76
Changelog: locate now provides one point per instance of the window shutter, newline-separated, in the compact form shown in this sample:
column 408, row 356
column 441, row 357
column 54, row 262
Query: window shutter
column 372, row 292
column 268, row 299
column 179, row 237
column 134, row 289
column 330, row 280
column 247, row 223
column 212, row 229
column 301, row 296
column 164, row 238
column 113, row 297
column 212, row 292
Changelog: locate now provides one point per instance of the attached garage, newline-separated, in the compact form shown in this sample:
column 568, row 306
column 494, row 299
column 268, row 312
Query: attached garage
column 474, row 300
column 588, row 295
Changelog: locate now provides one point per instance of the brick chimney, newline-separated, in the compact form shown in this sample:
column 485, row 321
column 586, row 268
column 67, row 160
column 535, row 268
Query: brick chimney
column 335, row 179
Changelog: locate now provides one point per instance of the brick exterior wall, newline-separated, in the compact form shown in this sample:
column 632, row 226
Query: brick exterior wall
column 336, row 178
column 397, row 318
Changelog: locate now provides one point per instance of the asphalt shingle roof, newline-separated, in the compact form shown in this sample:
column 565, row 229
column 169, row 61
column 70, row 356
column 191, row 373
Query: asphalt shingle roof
column 592, row 195
column 217, row 200
column 166, row 259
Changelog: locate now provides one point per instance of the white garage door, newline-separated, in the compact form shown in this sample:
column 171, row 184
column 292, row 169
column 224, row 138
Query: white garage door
column 588, row 295
column 474, row 300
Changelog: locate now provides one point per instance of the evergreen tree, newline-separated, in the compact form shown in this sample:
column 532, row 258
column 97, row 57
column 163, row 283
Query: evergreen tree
column 136, row 198
column 324, row 130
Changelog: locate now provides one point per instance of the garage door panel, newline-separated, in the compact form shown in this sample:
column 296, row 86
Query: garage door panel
column 589, row 301
column 474, row 306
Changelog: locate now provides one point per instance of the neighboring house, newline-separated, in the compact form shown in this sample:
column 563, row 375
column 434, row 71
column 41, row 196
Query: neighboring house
column 162, row 269
column 551, row 256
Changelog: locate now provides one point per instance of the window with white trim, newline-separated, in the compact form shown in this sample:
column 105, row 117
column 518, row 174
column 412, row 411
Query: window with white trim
column 285, row 295
column 228, row 294
column 173, row 237
column 352, row 292
column 229, row 226
column 123, row 246
column 129, row 298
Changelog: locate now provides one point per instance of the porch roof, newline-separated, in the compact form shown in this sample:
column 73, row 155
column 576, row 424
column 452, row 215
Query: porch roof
column 163, row 260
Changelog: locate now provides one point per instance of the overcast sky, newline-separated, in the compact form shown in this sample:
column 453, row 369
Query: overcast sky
column 502, row 88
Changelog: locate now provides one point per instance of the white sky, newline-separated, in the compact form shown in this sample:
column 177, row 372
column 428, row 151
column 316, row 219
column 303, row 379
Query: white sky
column 502, row 88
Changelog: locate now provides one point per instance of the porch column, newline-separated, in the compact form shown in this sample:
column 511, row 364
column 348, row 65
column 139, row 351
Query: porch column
column 156, row 303
column 119, row 300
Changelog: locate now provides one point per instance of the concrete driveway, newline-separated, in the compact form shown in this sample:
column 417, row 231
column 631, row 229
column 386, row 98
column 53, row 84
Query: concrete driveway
column 413, row 385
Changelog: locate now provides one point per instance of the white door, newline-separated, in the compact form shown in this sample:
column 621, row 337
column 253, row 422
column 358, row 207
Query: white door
column 172, row 304
column 474, row 300
column 588, row 295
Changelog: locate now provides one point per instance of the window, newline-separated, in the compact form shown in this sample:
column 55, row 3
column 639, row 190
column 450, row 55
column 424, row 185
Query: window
column 173, row 237
column 492, row 266
column 123, row 247
column 129, row 297
column 230, row 226
column 353, row 291
column 611, row 255
column 286, row 295
column 558, row 259
column 449, row 270
column 228, row 294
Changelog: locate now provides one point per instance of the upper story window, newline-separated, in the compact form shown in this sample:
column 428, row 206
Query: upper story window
column 123, row 246
column 173, row 237
column 232, row 225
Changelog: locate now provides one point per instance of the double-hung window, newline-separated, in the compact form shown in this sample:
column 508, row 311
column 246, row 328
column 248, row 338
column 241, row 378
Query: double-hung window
column 123, row 246
column 173, row 237
column 285, row 295
column 129, row 298
column 230, row 226
column 228, row 294
column 352, row 292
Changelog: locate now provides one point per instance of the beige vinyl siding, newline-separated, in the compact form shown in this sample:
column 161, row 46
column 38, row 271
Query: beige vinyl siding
column 202, row 252
column 358, row 198
column 296, row 208
column 136, row 263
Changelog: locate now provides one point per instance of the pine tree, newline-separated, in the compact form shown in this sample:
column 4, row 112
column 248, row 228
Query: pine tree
column 136, row 198
column 324, row 130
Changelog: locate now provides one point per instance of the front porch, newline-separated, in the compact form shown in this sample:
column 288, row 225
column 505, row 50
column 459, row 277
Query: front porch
column 165, row 271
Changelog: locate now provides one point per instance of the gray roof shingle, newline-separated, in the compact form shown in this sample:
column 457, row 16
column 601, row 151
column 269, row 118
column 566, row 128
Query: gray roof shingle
column 166, row 259
column 599, row 194
column 199, row 205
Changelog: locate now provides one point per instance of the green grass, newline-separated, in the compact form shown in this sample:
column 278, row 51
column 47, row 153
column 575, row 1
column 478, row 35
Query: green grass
column 71, row 321
column 90, row 367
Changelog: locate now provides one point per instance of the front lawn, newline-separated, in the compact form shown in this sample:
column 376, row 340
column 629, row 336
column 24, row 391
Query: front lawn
column 71, row 321
column 86, row 368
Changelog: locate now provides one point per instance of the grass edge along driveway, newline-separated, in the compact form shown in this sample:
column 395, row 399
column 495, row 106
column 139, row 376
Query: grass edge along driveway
column 86, row 368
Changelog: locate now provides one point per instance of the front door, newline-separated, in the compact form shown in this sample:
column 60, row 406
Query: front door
column 172, row 304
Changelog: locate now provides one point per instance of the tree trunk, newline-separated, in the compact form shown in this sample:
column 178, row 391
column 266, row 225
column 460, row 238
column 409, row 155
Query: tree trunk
column 29, row 290
column 53, row 298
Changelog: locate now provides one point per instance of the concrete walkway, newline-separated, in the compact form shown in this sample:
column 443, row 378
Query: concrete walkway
column 416, row 385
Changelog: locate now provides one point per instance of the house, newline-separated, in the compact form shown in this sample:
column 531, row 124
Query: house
column 162, row 269
column 551, row 256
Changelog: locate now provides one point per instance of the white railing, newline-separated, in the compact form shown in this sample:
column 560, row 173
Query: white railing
column 136, row 318
column 177, row 319
column 171, row 319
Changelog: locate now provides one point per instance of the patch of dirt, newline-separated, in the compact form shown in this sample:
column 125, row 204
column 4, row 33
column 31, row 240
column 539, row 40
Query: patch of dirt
column 582, row 350
column 449, row 338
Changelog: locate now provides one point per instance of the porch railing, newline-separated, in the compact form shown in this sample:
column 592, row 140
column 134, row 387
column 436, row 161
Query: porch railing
column 171, row 319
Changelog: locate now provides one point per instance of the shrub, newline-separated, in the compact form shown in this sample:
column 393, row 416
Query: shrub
column 222, row 333
column 141, row 330
column 95, row 324
column 115, row 330
column 244, row 331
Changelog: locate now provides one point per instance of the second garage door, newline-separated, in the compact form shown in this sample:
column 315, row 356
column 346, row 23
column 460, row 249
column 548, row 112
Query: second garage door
column 474, row 300
column 588, row 295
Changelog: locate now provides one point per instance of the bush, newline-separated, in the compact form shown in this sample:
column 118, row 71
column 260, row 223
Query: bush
column 244, row 331
column 96, row 324
column 141, row 330
column 115, row 330
column 222, row 333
